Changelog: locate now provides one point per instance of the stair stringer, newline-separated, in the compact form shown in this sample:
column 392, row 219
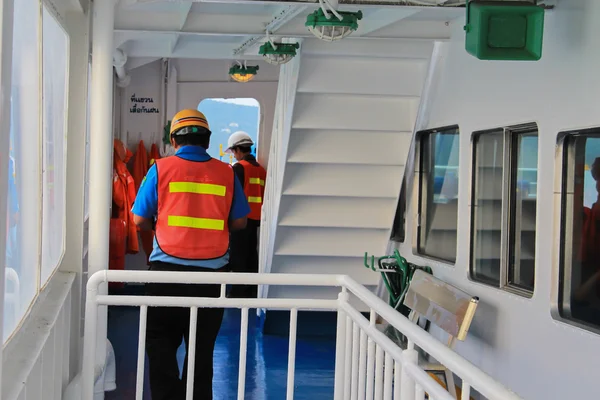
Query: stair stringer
column 284, row 106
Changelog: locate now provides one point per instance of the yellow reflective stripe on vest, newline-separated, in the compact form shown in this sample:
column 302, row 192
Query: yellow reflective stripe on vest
column 198, row 188
column 257, row 181
column 197, row 223
column 252, row 199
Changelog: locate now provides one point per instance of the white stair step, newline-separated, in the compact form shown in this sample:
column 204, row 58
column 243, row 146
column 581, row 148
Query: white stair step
column 311, row 292
column 333, row 111
column 351, row 266
column 330, row 242
column 343, row 180
column 383, row 75
column 358, row 147
column 341, row 212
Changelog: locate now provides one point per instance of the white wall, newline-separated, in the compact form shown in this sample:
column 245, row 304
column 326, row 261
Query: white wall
column 145, row 83
column 513, row 338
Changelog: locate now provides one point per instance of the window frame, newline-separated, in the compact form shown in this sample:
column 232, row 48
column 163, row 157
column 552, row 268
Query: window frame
column 509, row 160
column 52, row 13
column 37, row 150
column 398, row 231
column 420, row 195
column 564, row 195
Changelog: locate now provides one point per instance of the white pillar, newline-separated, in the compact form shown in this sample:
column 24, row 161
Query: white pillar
column 6, row 43
column 101, row 152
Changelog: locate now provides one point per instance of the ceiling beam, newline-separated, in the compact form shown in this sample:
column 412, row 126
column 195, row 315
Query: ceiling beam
column 378, row 19
column 184, row 15
column 362, row 3
column 124, row 35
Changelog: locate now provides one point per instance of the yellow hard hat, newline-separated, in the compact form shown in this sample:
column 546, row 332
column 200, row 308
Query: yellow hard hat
column 189, row 118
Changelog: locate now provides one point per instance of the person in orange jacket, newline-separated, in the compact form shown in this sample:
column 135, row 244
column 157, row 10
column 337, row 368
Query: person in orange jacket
column 244, row 244
column 196, row 201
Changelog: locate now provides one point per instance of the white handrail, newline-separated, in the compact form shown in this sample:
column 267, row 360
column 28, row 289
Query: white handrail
column 402, row 372
column 478, row 379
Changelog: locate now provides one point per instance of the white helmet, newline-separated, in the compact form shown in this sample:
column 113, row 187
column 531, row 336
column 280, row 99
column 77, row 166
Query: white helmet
column 239, row 138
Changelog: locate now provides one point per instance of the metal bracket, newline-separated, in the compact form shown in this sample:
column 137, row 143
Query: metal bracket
column 285, row 15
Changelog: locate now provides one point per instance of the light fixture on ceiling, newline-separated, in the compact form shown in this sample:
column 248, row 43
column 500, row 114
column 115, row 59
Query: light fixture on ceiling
column 277, row 53
column 325, row 27
column 243, row 73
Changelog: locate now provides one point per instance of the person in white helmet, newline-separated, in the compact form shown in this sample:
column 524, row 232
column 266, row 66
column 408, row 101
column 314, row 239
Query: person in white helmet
column 244, row 243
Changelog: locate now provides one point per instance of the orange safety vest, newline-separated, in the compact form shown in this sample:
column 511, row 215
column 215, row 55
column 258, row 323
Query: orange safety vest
column 254, row 187
column 194, row 201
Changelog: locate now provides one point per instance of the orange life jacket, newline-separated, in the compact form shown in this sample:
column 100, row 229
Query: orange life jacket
column 154, row 155
column 194, row 201
column 124, row 195
column 254, row 188
column 140, row 165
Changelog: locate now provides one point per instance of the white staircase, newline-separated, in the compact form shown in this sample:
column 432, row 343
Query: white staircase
column 353, row 115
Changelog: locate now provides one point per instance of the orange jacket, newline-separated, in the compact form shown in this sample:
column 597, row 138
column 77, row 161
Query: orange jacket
column 194, row 200
column 140, row 165
column 124, row 194
column 254, row 188
column 154, row 155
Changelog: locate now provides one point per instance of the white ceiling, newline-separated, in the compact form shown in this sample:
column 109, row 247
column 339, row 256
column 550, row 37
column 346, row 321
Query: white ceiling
column 155, row 29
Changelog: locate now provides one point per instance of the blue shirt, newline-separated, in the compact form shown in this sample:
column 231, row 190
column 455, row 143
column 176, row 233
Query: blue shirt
column 146, row 206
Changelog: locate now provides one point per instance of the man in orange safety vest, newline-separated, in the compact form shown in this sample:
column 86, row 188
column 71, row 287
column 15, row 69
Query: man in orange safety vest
column 244, row 243
column 196, row 201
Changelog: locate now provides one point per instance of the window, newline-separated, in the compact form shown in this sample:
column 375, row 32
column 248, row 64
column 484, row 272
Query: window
column 226, row 116
column 37, row 168
column 503, row 208
column 437, row 179
column 579, row 278
column 55, row 61
column 22, row 241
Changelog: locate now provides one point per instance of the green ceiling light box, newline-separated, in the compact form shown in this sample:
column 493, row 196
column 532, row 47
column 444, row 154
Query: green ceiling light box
column 278, row 53
column 504, row 30
column 329, row 27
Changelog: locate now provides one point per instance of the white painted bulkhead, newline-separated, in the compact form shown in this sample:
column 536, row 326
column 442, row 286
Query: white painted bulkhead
column 513, row 338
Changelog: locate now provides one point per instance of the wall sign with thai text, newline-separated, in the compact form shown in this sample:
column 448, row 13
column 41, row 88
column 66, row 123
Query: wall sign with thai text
column 142, row 109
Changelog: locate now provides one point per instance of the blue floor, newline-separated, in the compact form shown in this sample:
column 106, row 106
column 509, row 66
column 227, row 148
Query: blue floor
column 266, row 371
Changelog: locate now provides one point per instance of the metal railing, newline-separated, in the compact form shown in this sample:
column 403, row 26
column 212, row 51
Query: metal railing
column 368, row 365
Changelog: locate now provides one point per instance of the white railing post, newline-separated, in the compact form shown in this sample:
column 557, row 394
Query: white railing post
column 407, row 383
column 340, row 348
column 371, row 360
column 90, row 343
column 292, row 353
column 243, row 353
